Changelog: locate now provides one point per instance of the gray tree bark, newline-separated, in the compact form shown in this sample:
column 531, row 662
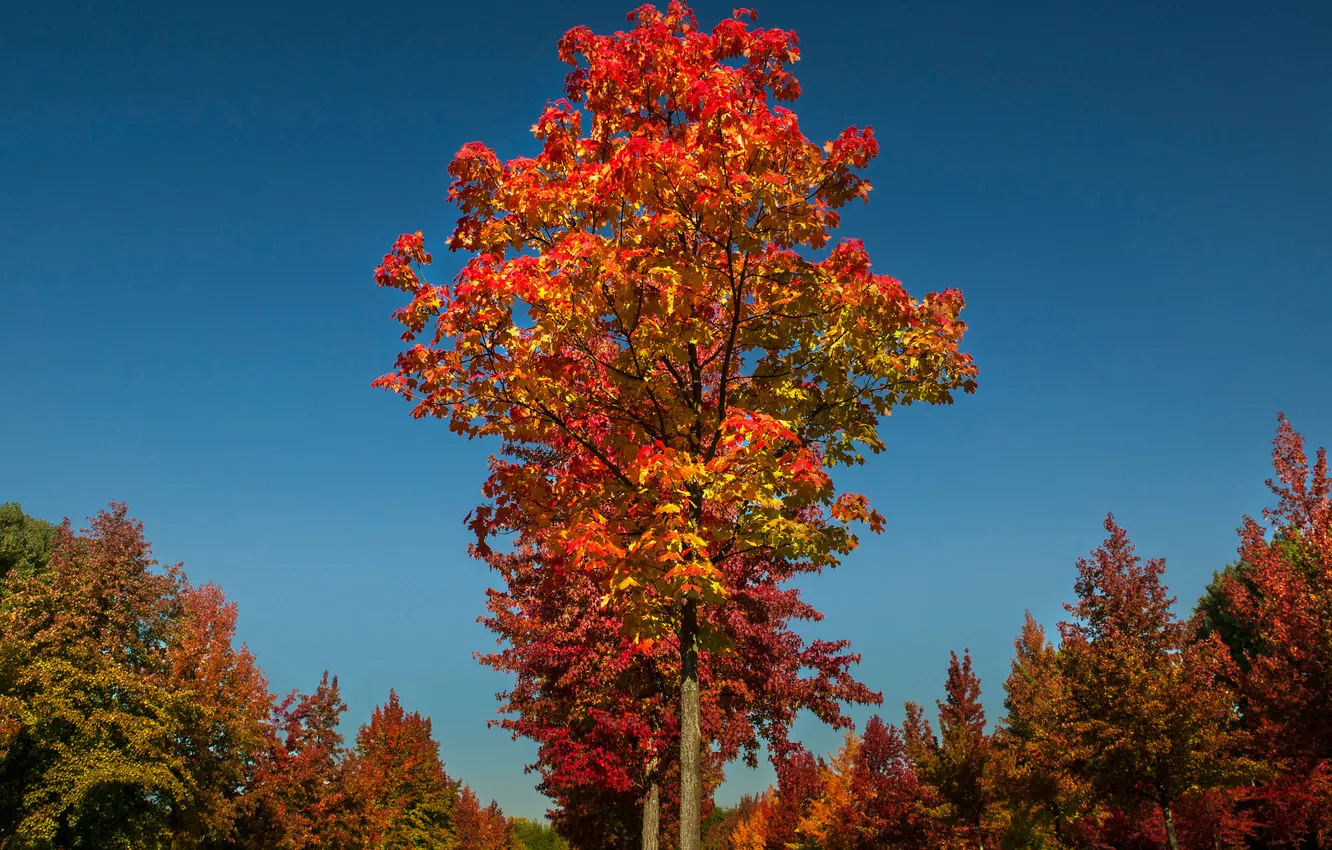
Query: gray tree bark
column 1170, row 826
column 652, row 810
column 691, row 786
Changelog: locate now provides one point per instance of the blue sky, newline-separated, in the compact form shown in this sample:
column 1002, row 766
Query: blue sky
column 1136, row 201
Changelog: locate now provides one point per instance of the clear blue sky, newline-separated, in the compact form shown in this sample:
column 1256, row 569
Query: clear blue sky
column 1136, row 201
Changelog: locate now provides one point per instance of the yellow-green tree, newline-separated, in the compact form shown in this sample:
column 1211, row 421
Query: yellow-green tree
column 131, row 720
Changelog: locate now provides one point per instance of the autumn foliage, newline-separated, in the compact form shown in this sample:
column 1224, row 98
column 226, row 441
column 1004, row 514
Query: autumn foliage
column 130, row 719
column 598, row 703
column 953, row 765
column 127, row 713
column 642, row 322
column 1278, row 602
column 396, row 775
column 1138, row 730
column 645, row 320
column 657, row 319
column 636, row 314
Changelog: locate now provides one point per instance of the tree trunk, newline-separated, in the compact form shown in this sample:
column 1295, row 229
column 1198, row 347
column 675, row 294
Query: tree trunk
column 651, row 809
column 691, row 784
column 1170, row 826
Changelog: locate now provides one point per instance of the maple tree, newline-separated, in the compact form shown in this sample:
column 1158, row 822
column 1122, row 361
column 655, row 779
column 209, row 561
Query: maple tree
column 396, row 776
column 298, row 795
column 1145, row 699
column 589, row 696
column 481, row 827
column 670, row 374
column 219, row 700
column 1275, row 607
column 953, row 765
column 1038, row 762
column 594, row 701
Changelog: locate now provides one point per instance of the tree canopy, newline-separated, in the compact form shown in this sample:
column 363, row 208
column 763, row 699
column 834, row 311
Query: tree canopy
column 642, row 324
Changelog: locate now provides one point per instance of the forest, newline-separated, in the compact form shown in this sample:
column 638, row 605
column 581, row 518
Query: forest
column 657, row 326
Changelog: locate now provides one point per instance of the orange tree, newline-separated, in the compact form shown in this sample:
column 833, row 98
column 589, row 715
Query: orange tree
column 1039, row 763
column 397, row 779
column 954, row 764
column 643, row 321
column 1147, row 700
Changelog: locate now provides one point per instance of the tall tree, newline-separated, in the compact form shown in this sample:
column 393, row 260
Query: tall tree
column 743, row 827
column 1039, row 763
column 90, row 762
column 220, row 702
column 642, row 307
column 954, row 764
column 298, row 797
column 826, row 816
column 890, row 804
column 866, row 796
column 129, row 718
column 25, row 543
column 721, row 825
column 1276, row 608
column 589, row 696
column 482, row 827
column 1147, row 701
column 396, row 776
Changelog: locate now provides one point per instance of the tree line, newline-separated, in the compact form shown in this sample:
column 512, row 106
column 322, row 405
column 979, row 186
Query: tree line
column 129, row 719
column 1137, row 728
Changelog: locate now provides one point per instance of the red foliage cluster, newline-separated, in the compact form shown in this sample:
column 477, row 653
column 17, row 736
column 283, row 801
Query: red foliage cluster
column 599, row 704
column 1280, row 597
